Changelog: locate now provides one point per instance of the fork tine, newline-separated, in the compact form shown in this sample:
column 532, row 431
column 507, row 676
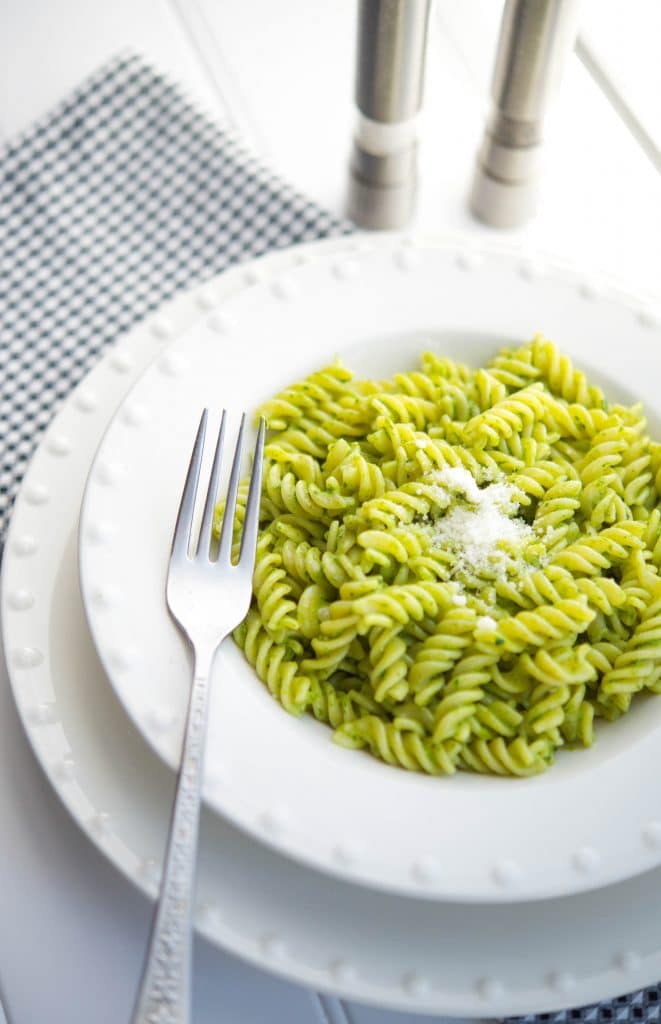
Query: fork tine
column 184, row 525
column 251, row 522
column 225, row 544
column 204, row 542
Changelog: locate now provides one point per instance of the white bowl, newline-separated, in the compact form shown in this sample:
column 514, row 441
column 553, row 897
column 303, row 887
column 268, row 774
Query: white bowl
column 595, row 816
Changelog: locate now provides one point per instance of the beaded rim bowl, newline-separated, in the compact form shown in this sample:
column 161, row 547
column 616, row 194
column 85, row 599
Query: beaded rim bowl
column 469, row 838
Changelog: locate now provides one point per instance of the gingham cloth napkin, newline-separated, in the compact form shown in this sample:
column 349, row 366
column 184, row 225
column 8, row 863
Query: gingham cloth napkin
column 121, row 197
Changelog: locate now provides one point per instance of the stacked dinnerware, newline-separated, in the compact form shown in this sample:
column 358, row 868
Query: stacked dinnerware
column 467, row 895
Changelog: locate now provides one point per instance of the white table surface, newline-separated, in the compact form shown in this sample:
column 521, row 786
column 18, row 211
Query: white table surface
column 72, row 931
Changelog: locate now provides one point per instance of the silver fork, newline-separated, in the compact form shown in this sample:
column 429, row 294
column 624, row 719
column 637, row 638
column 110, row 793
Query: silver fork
column 207, row 597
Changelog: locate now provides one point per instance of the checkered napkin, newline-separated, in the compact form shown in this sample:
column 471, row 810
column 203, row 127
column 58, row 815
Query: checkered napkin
column 117, row 200
column 639, row 1008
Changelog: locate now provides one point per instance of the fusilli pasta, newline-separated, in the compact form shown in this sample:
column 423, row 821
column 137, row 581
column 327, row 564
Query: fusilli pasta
column 458, row 569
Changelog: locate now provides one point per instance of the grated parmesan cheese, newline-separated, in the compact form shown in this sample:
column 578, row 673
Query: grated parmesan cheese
column 476, row 527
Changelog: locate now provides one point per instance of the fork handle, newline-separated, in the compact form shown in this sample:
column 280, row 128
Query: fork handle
column 165, row 990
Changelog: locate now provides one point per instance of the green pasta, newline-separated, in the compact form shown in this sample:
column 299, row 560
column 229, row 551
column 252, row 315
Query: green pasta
column 457, row 569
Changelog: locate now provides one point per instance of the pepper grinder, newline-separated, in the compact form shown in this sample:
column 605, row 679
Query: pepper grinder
column 535, row 39
column 392, row 37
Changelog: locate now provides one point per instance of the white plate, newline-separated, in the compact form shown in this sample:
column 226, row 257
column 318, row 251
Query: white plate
column 389, row 950
column 593, row 818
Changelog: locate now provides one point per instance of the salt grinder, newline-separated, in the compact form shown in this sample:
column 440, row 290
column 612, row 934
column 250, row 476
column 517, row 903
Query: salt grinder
column 535, row 38
column 392, row 38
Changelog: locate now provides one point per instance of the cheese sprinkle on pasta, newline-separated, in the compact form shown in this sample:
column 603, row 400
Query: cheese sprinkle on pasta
column 477, row 528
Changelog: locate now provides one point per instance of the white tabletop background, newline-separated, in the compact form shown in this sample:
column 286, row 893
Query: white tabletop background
column 72, row 931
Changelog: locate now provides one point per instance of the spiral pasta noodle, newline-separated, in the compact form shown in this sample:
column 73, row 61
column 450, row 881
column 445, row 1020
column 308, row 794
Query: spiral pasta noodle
column 457, row 569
